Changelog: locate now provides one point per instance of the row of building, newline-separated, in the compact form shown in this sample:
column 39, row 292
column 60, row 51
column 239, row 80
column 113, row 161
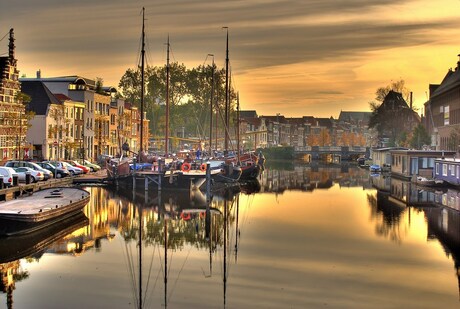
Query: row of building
column 75, row 117
column 64, row 117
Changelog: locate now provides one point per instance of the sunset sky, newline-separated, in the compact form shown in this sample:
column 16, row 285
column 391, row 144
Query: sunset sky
column 296, row 58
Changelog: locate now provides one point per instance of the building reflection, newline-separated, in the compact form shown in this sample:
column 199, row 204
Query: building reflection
column 65, row 235
column 395, row 199
column 171, row 219
column 313, row 176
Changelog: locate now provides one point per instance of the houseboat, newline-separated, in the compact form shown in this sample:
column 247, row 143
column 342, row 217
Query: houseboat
column 408, row 164
column 382, row 157
column 448, row 170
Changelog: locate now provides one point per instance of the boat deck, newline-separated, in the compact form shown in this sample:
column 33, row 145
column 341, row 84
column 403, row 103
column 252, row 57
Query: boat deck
column 43, row 204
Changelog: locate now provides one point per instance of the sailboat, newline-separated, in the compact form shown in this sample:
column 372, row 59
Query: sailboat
column 165, row 172
column 247, row 162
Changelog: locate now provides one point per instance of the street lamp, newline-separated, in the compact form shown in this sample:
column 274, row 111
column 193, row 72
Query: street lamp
column 82, row 149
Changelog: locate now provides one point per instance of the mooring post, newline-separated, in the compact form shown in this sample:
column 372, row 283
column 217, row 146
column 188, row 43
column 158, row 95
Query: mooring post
column 160, row 174
column 208, row 201
column 134, row 173
column 208, row 181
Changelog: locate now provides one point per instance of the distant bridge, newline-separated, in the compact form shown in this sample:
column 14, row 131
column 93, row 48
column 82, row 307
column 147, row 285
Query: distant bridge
column 345, row 153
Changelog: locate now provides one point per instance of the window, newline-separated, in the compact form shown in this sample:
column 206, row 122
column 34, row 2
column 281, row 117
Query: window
column 444, row 169
column 446, row 115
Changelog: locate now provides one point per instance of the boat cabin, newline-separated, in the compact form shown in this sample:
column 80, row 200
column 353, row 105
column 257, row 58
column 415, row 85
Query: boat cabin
column 448, row 169
column 382, row 157
column 408, row 163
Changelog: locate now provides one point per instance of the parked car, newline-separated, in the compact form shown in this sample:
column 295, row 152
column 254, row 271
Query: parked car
column 35, row 176
column 76, row 164
column 58, row 172
column 33, row 165
column 73, row 170
column 94, row 167
column 8, row 174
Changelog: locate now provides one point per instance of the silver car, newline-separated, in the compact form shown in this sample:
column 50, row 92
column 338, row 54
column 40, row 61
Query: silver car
column 73, row 170
column 35, row 176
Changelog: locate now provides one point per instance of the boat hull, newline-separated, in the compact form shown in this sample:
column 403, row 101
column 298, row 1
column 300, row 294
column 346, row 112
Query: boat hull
column 40, row 209
column 250, row 172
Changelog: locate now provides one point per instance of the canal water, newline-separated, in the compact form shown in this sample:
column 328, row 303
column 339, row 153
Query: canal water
column 303, row 236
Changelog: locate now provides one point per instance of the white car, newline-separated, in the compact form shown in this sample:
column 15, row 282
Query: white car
column 32, row 165
column 73, row 170
column 8, row 174
column 35, row 176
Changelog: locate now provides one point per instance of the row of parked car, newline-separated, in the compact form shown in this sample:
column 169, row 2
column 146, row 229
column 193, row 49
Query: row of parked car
column 40, row 171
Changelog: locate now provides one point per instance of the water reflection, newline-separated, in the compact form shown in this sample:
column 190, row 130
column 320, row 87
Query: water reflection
column 324, row 236
column 61, row 238
column 167, row 222
column 309, row 177
column 395, row 200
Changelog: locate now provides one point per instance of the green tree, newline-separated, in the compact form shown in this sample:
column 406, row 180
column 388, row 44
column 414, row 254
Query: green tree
column 420, row 137
column 99, row 85
column 454, row 139
column 189, row 96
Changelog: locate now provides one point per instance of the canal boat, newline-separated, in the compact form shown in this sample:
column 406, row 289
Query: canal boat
column 40, row 209
column 375, row 168
column 429, row 182
column 447, row 170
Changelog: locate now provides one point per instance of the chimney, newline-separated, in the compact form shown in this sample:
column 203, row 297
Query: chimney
column 39, row 74
column 410, row 100
column 458, row 62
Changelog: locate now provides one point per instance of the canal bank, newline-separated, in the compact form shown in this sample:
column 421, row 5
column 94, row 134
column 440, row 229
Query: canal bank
column 10, row 193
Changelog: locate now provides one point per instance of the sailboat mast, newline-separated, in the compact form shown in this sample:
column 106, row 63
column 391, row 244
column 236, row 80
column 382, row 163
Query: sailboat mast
column 167, row 101
column 210, row 106
column 142, row 81
column 225, row 249
column 238, row 127
column 140, row 255
column 165, row 279
column 226, row 95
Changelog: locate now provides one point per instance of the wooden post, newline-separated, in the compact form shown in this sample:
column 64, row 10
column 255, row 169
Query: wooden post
column 208, row 182
column 208, row 200
column 160, row 174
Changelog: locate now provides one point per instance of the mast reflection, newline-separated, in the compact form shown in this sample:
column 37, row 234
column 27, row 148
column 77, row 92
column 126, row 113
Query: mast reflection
column 162, row 223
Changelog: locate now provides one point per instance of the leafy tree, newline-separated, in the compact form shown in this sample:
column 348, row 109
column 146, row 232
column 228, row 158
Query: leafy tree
column 420, row 137
column 189, row 96
column 99, row 85
column 391, row 121
column 454, row 139
column 130, row 85
column 397, row 86
column 324, row 138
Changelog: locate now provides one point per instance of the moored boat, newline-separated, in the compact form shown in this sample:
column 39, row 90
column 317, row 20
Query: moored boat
column 374, row 168
column 41, row 209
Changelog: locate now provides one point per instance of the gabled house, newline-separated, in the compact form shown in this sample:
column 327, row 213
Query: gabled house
column 53, row 125
column 13, row 126
column 443, row 112
column 393, row 118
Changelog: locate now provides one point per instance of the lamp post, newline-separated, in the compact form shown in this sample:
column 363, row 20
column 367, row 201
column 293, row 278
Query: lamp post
column 82, row 149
